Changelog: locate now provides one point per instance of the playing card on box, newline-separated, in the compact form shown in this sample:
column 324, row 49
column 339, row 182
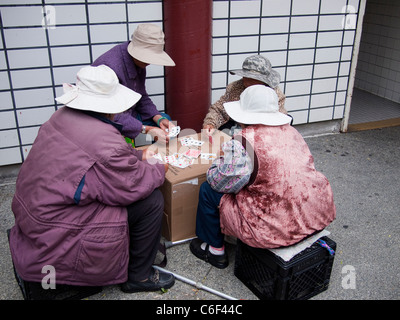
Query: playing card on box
column 192, row 153
column 208, row 156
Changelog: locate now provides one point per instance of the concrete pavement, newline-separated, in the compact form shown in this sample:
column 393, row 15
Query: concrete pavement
column 363, row 169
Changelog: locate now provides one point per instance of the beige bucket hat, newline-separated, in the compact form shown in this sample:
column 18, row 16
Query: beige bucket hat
column 98, row 89
column 147, row 45
column 258, row 104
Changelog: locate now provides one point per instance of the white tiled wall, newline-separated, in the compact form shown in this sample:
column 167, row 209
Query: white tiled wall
column 309, row 42
column 378, row 68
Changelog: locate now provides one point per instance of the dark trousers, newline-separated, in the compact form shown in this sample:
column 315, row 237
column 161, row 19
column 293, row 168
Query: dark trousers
column 144, row 219
column 208, row 227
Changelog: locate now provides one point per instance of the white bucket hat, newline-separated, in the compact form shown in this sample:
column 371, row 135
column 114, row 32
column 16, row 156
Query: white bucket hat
column 147, row 45
column 258, row 104
column 98, row 89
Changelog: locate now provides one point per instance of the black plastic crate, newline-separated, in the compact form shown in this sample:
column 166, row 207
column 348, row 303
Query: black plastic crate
column 269, row 277
column 35, row 291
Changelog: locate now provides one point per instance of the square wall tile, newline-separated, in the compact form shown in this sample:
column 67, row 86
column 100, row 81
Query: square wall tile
column 153, row 70
column 155, row 85
column 322, row 100
column 25, row 37
column 297, row 88
column 245, row 8
column 68, row 14
column 273, row 42
column 324, row 85
column 274, row 25
column 4, row 81
column 27, row 58
column 324, row 70
column 28, row 135
column 277, row 58
column 302, row 24
column 220, row 28
column 9, row 138
column 108, row 33
column 36, row 116
column 338, row 112
column 331, row 22
column 322, row 114
column 241, row 44
column 301, row 56
column 297, row 103
column 276, row 8
column 220, row 9
column 145, row 11
column 70, row 55
column 299, row 117
column 10, row 156
column 219, row 45
column 5, row 101
column 330, row 39
column 219, row 63
column 68, row 35
column 302, row 40
column 218, row 80
column 21, row 16
column 244, row 26
column 31, row 78
column 329, row 6
column 103, row 13
column 328, row 55
column 34, row 97
column 305, row 7
column 7, row 120
column 299, row 73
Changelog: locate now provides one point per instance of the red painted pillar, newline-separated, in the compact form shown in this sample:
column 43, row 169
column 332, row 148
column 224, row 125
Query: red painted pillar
column 188, row 38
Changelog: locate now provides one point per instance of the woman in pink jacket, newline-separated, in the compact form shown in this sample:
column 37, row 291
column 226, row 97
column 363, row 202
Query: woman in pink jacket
column 265, row 189
column 86, row 202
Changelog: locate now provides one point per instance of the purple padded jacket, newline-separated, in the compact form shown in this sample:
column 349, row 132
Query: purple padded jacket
column 70, row 201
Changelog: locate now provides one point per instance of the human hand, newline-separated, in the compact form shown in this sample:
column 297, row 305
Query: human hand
column 166, row 167
column 209, row 129
column 166, row 125
column 147, row 154
column 159, row 135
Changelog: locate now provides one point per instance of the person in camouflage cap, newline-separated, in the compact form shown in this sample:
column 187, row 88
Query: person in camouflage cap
column 256, row 69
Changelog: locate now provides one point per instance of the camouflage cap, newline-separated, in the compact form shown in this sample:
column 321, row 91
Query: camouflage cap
column 259, row 68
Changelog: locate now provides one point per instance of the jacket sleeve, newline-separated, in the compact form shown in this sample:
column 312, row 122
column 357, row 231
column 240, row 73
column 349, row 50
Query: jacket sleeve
column 123, row 178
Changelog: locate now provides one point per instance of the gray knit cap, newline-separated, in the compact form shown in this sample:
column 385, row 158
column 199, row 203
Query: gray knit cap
column 259, row 68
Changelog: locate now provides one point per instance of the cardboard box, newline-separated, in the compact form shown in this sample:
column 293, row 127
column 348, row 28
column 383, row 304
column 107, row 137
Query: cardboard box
column 182, row 185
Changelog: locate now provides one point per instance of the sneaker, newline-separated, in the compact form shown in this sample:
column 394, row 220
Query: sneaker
column 158, row 280
column 218, row 261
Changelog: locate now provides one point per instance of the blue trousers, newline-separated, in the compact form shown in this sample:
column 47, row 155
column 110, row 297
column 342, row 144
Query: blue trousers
column 208, row 227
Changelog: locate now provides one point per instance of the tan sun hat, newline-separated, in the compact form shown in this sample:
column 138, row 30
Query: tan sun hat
column 147, row 45
column 98, row 89
column 258, row 104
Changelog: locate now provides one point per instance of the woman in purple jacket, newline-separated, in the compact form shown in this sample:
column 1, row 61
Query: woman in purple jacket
column 129, row 61
column 86, row 202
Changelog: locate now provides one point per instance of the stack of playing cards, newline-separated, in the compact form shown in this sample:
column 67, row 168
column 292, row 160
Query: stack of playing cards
column 174, row 131
column 179, row 160
column 189, row 141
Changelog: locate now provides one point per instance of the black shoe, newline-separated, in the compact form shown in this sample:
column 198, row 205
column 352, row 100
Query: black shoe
column 158, row 280
column 218, row 261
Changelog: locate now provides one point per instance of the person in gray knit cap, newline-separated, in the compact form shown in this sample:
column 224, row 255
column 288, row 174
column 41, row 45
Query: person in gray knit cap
column 256, row 69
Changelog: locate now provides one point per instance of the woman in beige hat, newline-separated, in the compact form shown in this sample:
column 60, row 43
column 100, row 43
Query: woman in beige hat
column 256, row 69
column 129, row 61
